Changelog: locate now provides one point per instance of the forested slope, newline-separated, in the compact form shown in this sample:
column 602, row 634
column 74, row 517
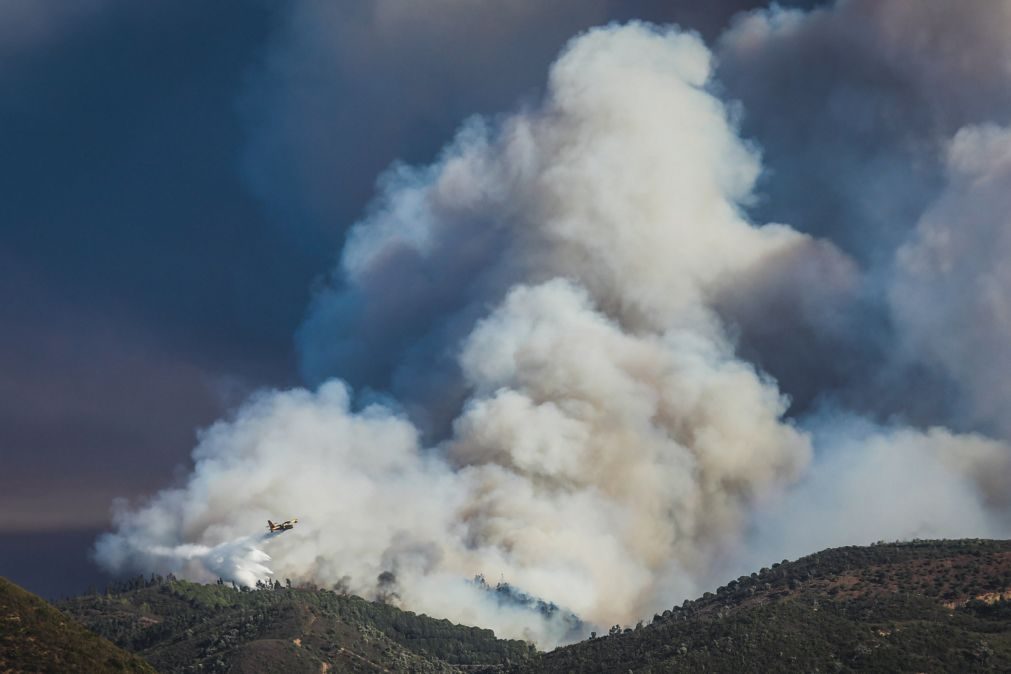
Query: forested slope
column 36, row 637
column 180, row 626
column 923, row 606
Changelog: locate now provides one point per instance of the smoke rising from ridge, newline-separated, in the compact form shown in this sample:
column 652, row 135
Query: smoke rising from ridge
column 609, row 438
column 559, row 317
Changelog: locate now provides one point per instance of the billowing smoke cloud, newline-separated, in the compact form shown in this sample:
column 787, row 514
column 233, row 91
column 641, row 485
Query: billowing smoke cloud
column 559, row 319
column 854, row 105
column 628, row 180
column 609, row 441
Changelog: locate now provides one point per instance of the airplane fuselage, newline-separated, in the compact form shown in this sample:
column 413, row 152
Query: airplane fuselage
column 283, row 526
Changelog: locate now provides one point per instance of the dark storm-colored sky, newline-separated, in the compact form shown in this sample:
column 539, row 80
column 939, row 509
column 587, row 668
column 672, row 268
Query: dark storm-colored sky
column 148, row 279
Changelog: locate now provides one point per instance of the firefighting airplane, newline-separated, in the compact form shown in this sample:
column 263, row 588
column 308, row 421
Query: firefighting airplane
column 283, row 526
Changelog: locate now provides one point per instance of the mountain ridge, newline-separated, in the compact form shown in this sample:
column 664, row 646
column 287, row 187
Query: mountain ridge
column 177, row 625
column 936, row 605
column 932, row 605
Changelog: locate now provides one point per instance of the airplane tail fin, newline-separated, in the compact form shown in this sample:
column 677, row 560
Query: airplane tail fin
column 270, row 525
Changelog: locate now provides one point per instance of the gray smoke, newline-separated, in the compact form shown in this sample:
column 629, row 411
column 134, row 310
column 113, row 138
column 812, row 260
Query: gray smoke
column 562, row 318
column 952, row 293
column 855, row 106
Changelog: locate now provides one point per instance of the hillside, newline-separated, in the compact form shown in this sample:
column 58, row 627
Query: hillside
column 36, row 637
column 923, row 606
column 180, row 627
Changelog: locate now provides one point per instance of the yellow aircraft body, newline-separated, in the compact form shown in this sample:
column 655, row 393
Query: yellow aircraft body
column 283, row 526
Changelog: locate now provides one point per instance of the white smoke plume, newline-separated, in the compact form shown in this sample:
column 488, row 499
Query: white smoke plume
column 240, row 560
column 564, row 405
